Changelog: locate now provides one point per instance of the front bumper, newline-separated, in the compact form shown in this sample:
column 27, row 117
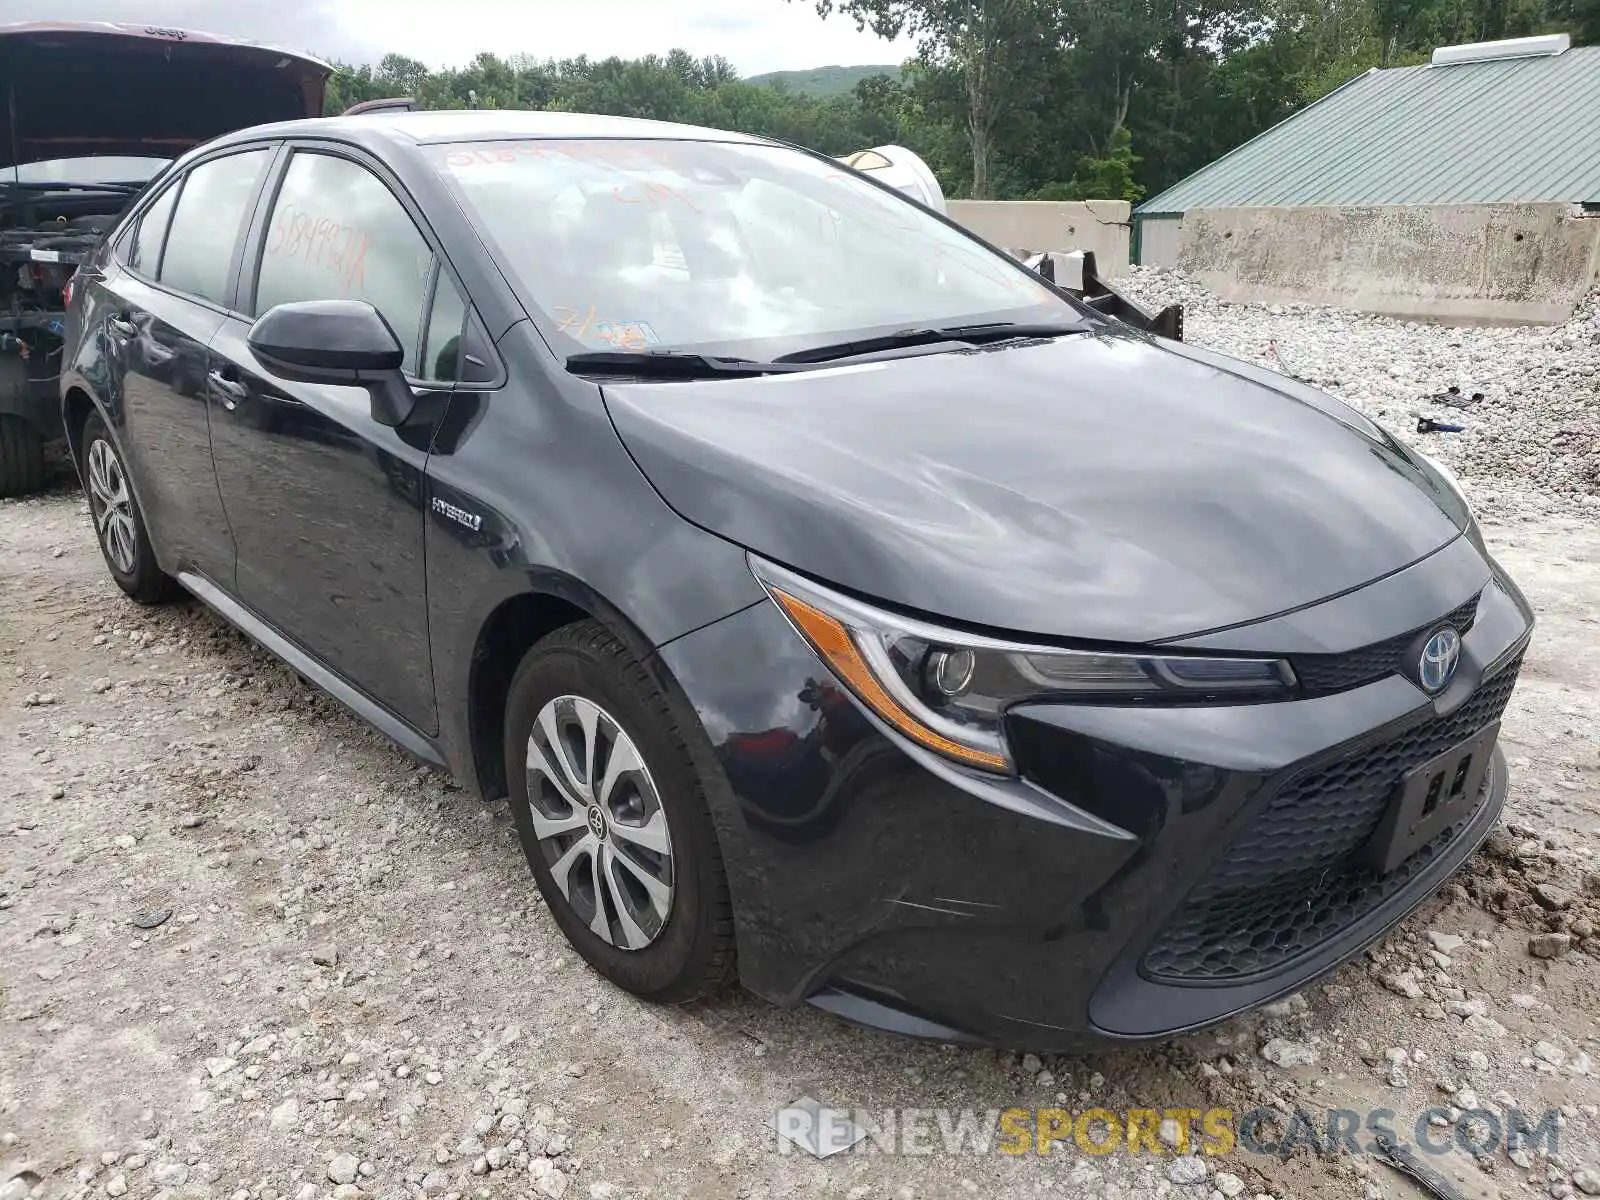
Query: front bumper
column 1097, row 899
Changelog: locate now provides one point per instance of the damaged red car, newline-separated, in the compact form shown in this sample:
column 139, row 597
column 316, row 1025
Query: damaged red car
column 90, row 114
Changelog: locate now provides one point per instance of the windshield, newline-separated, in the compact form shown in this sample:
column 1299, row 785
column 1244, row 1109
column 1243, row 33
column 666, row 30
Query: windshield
column 725, row 248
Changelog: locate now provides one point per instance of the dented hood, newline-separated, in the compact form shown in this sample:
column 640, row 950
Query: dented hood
column 73, row 89
column 1099, row 486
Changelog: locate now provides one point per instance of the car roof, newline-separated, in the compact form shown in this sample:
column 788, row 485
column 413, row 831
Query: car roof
column 466, row 125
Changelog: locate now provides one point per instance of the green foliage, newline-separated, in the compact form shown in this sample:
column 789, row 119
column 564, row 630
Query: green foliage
column 1100, row 178
column 1013, row 98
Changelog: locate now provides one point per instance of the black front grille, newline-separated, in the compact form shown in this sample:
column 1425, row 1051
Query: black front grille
column 1289, row 882
column 1321, row 674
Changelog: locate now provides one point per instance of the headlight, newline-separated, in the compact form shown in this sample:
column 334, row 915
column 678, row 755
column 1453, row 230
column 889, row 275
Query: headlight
column 948, row 690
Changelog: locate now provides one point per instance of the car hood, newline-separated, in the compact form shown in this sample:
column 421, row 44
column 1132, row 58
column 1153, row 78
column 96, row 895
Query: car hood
column 71, row 89
column 1100, row 486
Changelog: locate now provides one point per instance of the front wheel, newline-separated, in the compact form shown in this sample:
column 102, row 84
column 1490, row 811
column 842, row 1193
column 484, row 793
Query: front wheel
column 613, row 818
column 118, row 521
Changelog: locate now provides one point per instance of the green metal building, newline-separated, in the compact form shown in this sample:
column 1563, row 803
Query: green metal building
column 1496, row 122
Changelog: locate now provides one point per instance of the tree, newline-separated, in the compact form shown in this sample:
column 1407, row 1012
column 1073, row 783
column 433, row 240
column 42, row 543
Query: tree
column 1107, row 178
column 990, row 44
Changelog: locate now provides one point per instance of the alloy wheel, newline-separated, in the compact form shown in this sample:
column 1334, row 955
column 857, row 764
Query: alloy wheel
column 600, row 823
column 111, row 505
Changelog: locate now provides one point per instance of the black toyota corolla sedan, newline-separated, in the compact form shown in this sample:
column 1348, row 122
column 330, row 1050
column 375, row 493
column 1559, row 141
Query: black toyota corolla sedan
column 842, row 607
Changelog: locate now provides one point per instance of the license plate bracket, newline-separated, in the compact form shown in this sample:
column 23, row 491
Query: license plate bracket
column 1429, row 799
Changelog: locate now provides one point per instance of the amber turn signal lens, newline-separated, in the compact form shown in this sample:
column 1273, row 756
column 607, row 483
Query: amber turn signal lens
column 838, row 649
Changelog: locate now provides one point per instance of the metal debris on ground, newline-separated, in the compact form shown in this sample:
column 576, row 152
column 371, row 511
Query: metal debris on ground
column 151, row 918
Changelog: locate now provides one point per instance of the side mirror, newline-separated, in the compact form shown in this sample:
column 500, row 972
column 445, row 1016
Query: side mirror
column 344, row 342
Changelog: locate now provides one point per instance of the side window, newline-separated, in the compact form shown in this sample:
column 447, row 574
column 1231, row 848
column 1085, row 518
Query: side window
column 144, row 247
column 337, row 233
column 211, row 211
column 441, row 351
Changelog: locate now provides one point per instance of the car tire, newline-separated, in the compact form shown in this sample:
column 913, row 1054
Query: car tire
column 119, row 524
column 663, row 928
column 21, row 457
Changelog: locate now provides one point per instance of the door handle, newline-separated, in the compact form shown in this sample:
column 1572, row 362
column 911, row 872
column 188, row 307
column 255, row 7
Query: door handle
column 231, row 390
column 122, row 327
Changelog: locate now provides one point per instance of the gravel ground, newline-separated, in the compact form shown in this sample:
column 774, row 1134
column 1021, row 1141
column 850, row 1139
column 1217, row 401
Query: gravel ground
column 249, row 951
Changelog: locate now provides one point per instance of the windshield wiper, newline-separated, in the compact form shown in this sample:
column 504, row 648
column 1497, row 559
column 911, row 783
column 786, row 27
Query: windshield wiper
column 984, row 332
column 671, row 364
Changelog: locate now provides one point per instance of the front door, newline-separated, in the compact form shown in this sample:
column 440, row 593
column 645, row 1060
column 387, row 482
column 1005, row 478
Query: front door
column 325, row 503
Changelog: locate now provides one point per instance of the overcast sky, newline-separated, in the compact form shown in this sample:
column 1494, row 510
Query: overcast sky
column 754, row 35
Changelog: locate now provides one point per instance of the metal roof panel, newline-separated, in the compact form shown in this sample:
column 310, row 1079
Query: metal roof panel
column 1501, row 131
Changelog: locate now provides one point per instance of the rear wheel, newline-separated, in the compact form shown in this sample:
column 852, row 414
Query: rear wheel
column 118, row 521
column 21, row 457
column 613, row 819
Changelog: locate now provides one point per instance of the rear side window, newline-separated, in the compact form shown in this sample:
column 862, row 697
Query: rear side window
column 199, row 248
column 144, row 248
column 338, row 233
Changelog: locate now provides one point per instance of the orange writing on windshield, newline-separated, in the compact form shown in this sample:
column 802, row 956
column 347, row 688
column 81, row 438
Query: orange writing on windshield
column 651, row 193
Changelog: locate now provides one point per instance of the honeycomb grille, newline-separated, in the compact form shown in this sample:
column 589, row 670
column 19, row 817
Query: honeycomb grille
column 1322, row 674
column 1289, row 883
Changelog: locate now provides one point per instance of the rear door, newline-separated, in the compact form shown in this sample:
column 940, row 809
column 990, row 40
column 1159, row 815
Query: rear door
column 159, row 303
column 325, row 503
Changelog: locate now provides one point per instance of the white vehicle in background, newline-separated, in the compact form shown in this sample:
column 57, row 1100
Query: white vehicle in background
column 900, row 169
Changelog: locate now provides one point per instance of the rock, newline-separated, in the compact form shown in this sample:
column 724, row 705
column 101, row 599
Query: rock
column 1281, row 1052
column 1487, row 1026
column 1467, row 1008
column 286, row 1115
column 1587, row 1181
column 1549, row 945
column 435, row 1183
column 1556, row 899
column 17, row 1188
column 347, row 1191
column 1445, row 943
column 497, row 1157
column 1549, row 1052
column 325, row 955
column 170, row 1174
column 1188, row 1169
column 1229, row 1185
column 343, row 1168
column 1403, row 983
column 546, row 1179
column 117, row 1185
column 1031, row 1064
column 1472, row 1060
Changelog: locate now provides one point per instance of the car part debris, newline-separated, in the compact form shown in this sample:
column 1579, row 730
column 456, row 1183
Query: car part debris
column 1429, row 425
column 1405, row 1160
column 1076, row 273
column 151, row 918
column 1453, row 397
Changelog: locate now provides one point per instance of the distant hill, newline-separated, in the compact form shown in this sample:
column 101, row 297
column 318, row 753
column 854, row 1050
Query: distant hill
column 824, row 81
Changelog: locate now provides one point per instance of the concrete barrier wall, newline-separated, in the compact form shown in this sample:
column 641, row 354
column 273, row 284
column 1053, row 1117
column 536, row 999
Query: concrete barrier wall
column 1098, row 225
column 1514, row 263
